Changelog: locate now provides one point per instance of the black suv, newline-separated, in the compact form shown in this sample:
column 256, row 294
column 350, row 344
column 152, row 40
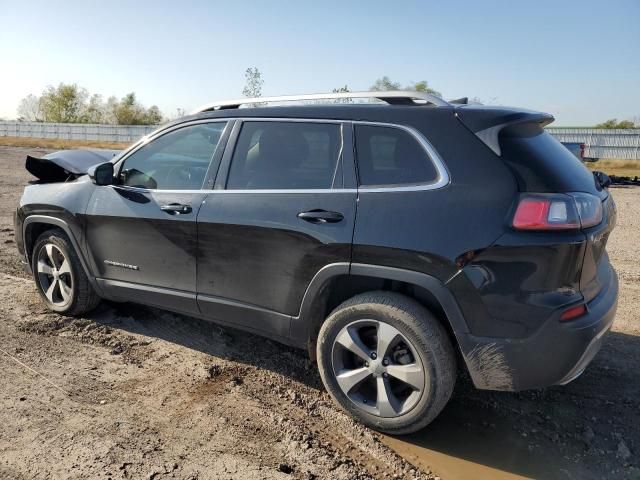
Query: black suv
column 394, row 240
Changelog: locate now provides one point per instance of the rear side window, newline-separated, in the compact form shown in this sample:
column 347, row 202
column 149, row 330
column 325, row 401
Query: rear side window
column 285, row 155
column 391, row 156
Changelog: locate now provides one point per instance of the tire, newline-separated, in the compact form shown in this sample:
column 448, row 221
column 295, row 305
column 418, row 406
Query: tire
column 412, row 338
column 64, row 287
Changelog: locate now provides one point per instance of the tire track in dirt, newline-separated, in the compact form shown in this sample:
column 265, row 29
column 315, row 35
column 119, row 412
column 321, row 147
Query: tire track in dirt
column 142, row 403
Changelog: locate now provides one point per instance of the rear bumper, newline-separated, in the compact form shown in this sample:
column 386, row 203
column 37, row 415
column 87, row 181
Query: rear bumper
column 557, row 353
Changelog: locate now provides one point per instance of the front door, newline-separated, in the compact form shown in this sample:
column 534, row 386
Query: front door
column 141, row 232
column 280, row 216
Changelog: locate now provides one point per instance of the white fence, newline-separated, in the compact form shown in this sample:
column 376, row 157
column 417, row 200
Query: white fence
column 76, row 131
column 599, row 143
column 603, row 143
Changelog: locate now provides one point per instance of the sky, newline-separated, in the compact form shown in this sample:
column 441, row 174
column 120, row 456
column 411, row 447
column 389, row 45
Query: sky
column 576, row 59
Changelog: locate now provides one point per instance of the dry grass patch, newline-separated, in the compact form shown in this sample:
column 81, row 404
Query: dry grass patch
column 620, row 168
column 59, row 144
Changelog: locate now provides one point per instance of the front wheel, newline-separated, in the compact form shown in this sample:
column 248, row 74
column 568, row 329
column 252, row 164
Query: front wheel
column 387, row 361
column 60, row 278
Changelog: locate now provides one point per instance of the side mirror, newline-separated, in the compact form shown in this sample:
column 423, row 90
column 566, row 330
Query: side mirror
column 101, row 174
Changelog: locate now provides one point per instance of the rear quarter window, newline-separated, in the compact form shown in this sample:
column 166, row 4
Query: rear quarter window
column 391, row 156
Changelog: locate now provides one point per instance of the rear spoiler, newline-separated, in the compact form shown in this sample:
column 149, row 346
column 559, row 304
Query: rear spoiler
column 487, row 122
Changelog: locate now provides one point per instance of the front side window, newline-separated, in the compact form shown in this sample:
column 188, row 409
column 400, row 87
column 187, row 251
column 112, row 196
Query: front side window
column 285, row 155
column 391, row 156
column 177, row 160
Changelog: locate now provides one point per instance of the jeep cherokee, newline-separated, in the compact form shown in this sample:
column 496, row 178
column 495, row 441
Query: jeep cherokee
column 395, row 240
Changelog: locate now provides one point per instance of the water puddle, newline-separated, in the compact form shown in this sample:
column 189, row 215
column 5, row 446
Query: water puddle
column 467, row 442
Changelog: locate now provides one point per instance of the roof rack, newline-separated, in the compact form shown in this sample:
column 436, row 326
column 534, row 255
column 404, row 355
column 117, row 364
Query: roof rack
column 392, row 97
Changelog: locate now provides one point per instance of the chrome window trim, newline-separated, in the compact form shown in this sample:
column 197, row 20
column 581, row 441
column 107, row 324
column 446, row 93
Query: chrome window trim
column 442, row 180
column 149, row 190
column 340, row 124
column 117, row 167
column 162, row 131
column 210, row 190
column 340, row 162
column 289, row 120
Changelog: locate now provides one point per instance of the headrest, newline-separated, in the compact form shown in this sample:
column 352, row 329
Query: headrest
column 282, row 151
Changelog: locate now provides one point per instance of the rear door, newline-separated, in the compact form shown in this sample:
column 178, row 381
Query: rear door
column 141, row 232
column 279, row 213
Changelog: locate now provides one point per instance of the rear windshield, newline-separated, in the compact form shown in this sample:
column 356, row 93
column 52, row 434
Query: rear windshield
column 541, row 163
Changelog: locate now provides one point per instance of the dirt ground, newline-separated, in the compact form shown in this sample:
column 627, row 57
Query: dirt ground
column 135, row 392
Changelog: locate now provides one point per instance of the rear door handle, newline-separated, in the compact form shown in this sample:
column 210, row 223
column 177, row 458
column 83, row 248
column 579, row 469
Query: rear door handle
column 320, row 216
column 176, row 208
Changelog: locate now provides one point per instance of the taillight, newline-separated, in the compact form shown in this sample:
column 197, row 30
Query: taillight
column 589, row 209
column 569, row 211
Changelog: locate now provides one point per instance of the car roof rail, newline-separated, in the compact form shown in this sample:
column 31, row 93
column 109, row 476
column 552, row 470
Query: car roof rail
column 392, row 97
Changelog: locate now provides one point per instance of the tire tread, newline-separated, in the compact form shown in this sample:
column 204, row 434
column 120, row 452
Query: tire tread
column 429, row 335
column 85, row 297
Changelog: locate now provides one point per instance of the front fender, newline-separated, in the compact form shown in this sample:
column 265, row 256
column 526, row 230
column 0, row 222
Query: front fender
column 29, row 240
column 60, row 205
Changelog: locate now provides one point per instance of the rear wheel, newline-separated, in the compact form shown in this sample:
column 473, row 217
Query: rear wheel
column 387, row 361
column 59, row 276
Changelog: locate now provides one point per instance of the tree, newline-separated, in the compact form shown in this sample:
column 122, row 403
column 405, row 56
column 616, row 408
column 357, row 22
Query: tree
column 480, row 101
column 180, row 112
column 129, row 112
column 626, row 124
column 423, row 86
column 63, row 104
column 253, row 83
column 613, row 123
column 153, row 116
column 30, row 109
column 344, row 89
column 110, row 109
column 68, row 103
column 94, row 111
column 384, row 84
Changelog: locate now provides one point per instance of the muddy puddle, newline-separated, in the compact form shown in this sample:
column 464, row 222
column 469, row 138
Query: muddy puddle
column 469, row 442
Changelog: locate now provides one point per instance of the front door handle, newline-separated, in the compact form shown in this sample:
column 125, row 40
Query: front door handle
column 176, row 208
column 320, row 216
